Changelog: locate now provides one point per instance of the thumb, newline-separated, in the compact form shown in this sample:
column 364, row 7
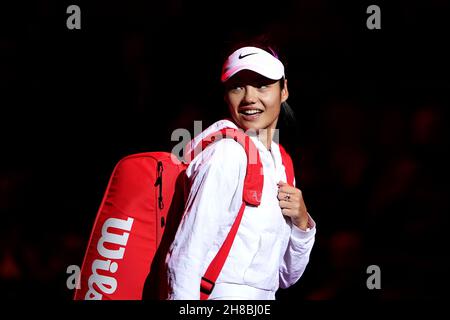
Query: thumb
column 281, row 183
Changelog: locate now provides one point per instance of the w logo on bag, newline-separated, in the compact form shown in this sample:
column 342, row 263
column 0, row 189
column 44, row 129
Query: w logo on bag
column 112, row 247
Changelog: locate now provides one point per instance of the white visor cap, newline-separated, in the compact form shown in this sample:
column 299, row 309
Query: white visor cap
column 253, row 59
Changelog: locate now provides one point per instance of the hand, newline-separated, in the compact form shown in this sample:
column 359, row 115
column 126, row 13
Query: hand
column 292, row 204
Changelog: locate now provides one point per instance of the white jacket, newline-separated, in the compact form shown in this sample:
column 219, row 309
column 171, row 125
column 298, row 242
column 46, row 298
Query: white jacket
column 268, row 252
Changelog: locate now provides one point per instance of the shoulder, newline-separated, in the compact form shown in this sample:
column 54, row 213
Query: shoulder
column 226, row 155
column 224, row 151
column 226, row 146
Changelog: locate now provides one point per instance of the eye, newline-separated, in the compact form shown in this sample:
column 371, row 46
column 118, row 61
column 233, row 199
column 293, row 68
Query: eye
column 262, row 85
column 236, row 88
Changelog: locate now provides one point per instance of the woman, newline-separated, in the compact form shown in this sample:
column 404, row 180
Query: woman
column 274, row 240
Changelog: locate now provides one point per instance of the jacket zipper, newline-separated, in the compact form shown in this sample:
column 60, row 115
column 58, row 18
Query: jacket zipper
column 158, row 183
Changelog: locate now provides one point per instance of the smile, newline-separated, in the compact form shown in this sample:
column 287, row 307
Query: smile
column 250, row 112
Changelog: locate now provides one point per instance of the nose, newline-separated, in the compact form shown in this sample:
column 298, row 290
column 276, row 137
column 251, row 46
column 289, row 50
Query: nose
column 250, row 95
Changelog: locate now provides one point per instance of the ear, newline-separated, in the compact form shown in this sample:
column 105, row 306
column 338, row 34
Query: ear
column 284, row 92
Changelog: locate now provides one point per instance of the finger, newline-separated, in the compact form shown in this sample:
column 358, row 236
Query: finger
column 287, row 212
column 284, row 195
column 291, row 190
column 281, row 183
column 285, row 204
column 289, row 204
column 287, row 188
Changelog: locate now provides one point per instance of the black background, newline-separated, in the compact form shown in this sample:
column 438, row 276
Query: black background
column 370, row 145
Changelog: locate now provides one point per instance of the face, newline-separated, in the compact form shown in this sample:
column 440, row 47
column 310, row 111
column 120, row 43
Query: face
column 254, row 101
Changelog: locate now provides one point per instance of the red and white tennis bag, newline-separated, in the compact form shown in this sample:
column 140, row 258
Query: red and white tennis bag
column 139, row 216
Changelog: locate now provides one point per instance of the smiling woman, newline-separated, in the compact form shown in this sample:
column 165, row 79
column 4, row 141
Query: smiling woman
column 274, row 239
column 255, row 102
column 257, row 64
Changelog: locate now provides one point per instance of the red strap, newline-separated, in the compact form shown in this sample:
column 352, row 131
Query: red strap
column 253, row 184
column 254, row 178
column 252, row 192
column 288, row 165
column 213, row 271
column 253, row 181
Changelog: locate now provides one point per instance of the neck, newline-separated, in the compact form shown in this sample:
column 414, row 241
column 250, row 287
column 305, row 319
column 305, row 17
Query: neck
column 266, row 136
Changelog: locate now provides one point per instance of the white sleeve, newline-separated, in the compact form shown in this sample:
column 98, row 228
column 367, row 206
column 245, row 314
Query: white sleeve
column 214, row 200
column 297, row 253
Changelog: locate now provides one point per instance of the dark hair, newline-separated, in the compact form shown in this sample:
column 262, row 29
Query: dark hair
column 265, row 42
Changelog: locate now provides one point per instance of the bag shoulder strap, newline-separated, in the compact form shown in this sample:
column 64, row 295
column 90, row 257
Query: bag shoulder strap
column 288, row 165
column 254, row 178
column 208, row 281
column 253, row 185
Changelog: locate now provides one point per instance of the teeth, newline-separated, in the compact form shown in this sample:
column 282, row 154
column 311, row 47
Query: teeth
column 249, row 112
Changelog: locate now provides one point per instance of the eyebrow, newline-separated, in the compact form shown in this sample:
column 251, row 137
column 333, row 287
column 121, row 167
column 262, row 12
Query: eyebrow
column 252, row 82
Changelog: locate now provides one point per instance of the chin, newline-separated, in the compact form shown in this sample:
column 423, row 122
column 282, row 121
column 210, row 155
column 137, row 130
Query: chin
column 249, row 125
column 256, row 125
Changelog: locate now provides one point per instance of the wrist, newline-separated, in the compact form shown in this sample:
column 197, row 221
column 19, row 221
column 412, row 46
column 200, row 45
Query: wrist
column 301, row 222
